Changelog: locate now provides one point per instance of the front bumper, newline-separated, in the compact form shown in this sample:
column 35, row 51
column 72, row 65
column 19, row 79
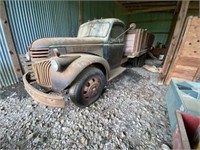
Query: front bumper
column 46, row 99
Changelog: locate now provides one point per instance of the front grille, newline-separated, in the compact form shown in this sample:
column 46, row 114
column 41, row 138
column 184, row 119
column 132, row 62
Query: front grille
column 39, row 54
column 42, row 74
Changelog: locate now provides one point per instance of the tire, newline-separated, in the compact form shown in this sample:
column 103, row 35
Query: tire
column 87, row 87
column 141, row 60
column 132, row 62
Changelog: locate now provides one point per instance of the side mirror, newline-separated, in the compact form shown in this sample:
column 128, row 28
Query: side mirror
column 131, row 27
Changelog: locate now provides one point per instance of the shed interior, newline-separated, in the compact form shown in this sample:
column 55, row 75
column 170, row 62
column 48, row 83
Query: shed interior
column 30, row 20
column 172, row 23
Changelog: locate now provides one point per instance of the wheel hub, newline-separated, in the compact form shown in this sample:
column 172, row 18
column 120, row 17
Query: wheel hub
column 91, row 88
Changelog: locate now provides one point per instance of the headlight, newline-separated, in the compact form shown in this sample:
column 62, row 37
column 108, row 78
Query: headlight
column 54, row 64
column 28, row 57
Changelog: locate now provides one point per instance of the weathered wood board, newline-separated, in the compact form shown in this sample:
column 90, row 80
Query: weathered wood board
column 187, row 61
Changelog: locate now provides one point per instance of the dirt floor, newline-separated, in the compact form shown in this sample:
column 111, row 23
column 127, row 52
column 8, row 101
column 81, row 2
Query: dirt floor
column 130, row 114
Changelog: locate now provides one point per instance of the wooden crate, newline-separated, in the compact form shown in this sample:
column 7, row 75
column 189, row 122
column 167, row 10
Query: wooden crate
column 186, row 64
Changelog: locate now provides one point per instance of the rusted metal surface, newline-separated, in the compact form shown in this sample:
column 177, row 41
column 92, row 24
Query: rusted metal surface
column 64, row 61
column 91, row 88
column 46, row 99
column 53, row 42
column 61, row 80
column 115, row 72
column 41, row 70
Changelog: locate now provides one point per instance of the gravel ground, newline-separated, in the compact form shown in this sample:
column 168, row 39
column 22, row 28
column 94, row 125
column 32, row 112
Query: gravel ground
column 130, row 114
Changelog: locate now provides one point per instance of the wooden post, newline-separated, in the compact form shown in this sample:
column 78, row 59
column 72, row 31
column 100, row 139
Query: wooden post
column 175, row 38
column 173, row 24
column 9, row 40
column 80, row 12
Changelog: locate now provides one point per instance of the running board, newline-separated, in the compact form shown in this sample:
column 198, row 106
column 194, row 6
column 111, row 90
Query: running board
column 115, row 72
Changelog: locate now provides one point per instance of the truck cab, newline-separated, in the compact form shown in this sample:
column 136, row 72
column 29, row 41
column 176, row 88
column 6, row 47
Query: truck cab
column 108, row 30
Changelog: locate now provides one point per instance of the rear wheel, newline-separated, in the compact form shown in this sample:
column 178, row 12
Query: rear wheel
column 132, row 62
column 141, row 60
column 87, row 87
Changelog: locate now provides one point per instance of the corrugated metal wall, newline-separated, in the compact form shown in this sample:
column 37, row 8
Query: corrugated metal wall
column 98, row 9
column 7, row 73
column 30, row 20
column 102, row 9
column 158, row 23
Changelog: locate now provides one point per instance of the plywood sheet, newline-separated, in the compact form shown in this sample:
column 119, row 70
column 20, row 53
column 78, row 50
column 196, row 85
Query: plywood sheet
column 187, row 61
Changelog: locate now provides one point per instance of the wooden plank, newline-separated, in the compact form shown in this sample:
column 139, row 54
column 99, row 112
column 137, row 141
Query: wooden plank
column 197, row 74
column 175, row 38
column 128, row 4
column 188, row 61
column 152, row 9
column 173, row 24
column 151, row 21
column 182, row 129
column 9, row 40
column 187, row 69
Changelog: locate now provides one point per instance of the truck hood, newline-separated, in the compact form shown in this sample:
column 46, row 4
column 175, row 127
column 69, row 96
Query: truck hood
column 47, row 42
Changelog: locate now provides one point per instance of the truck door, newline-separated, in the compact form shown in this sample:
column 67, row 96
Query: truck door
column 113, row 51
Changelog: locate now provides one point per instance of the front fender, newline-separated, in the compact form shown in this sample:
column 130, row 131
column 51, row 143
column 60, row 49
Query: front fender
column 61, row 80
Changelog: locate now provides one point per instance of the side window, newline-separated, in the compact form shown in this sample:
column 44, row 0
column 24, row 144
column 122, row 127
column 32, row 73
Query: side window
column 115, row 32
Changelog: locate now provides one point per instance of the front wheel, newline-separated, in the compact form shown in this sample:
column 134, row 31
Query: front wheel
column 88, row 87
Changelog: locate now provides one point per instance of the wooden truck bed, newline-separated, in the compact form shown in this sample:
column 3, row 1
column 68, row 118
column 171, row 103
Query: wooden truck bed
column 137, row 42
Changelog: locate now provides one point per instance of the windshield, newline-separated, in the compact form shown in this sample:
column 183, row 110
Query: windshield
column 94, row 29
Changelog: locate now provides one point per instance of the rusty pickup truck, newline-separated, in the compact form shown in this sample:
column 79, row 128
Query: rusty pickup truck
column 85, row 63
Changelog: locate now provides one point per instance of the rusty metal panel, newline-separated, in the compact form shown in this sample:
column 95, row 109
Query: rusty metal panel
column 7, row 73
column 46, row 99
column 30, row 20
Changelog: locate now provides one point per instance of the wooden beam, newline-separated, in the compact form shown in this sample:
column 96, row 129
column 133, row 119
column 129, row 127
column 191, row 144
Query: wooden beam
column 138, row 8
column 153, row 9
column 175, row 39
column 9, row 40
column 173, row 24
column 152, row 21
column 147, row 6
column 132, row 4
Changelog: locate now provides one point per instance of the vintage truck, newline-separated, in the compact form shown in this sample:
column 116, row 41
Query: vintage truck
column 85, row 63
